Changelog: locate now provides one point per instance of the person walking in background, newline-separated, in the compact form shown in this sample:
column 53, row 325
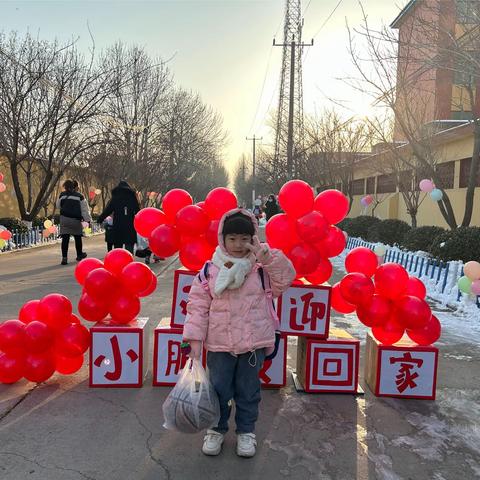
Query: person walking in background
column 271, row 207
column 124, row 206
column 73, row 210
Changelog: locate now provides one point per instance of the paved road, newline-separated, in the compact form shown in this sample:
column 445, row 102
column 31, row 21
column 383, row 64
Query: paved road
column 64, row 430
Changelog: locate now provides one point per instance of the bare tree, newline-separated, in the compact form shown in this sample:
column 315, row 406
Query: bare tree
column 50, row 98
column 402, row 73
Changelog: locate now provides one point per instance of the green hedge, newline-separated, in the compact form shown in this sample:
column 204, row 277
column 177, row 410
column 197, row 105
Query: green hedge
column 392, row 232
column 421, row 238
column 11, row 224
column 359, row 226
column 460, row 244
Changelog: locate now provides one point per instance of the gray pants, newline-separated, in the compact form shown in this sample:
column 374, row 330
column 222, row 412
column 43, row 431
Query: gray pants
column 237, row 378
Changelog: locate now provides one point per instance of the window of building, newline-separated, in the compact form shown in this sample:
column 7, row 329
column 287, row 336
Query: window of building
column 358, row 186
column 386, row 183
column 446, row 172
column 465, row 173
column 371, row 185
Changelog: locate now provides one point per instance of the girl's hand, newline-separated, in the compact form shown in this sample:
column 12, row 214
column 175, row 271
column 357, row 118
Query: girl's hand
column 260, row 250
column 195, row 349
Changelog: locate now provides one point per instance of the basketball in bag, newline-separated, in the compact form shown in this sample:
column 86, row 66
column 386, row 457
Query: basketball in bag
column 192, row 405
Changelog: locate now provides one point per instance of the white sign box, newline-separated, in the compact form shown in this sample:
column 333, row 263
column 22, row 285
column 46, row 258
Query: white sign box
column 181, row 287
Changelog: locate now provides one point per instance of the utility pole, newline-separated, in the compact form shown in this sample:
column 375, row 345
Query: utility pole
column 291, row 171
column 254, row 176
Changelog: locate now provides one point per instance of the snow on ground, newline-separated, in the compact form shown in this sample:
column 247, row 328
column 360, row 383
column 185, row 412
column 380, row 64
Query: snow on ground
column 459, row 319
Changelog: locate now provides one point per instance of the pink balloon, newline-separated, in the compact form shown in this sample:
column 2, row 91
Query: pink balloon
column 475, row 287
column 426, row 185
column 2, row 187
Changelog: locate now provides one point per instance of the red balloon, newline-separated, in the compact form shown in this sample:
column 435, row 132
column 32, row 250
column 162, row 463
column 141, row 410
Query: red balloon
column 212, row 232
column 333, row 244
column 361, row 260
column 281, row 232
column 312, row 227
column 55, row 310
column 12, row 368
column 174, row 200
column 164, row 241
column 74, row 319
column 428, row 334
column 356, row 288
column 90, row 309
column 298, row 281
column 391, row 280
column 85, row 267
column 39, row 367
column 136, row 277
column 375, row 312
column 339, row 303
column 192, row 220
column 68, row 365
column 412, row 312
column 416, row 288
column 296, row 198
column 195, row 253
column 389, row 333
column 28, row 313
column 100, row 284
column 322, row 273
column 147, row 219
column 124, row 307
column 333, row 205
column 116, row 260
column 200, row 204
column 304, row 258
column 151, row 288
column 220, row 200
column 73, row 340
column 12, row 337
column 39, row 337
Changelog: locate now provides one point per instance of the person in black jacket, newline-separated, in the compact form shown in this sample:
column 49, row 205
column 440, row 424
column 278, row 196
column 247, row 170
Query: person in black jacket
column 73, row 210
column 124, row 206
column 271, row 207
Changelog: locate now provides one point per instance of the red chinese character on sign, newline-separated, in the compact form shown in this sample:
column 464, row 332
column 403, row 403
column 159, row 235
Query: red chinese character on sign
column 263, row 372
column 183, row 303
column 312, row 312
column 175, row 359
column 117, row 360
column 406, row 377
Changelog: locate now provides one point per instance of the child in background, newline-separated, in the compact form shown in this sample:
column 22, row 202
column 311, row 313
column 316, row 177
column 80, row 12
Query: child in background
column 108, row 226
column 231, row 313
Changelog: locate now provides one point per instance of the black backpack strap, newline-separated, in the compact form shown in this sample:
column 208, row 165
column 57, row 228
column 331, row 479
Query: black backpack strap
column 262, row 277
column 204, row 273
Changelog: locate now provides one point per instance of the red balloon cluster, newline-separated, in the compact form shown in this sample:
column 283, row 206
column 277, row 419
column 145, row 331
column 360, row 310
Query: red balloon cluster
column 306, row 232
column 184, row 227
column 391, row 304
column 113, row 286
column 47, row 337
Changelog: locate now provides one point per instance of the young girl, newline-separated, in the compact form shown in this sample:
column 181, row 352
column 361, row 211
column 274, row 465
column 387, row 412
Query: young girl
column 231, row 313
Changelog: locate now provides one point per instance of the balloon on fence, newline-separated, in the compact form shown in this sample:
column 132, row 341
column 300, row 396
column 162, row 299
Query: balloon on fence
column 380, row 250
column 471, row 270
column 465, row 285
column 38, row 343
column 426, row 185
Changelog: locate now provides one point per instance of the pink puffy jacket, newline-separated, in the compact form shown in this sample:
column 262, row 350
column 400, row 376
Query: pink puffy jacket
column 238, row 320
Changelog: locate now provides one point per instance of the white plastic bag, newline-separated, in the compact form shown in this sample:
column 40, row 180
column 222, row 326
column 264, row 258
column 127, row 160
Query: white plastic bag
column 192, row 405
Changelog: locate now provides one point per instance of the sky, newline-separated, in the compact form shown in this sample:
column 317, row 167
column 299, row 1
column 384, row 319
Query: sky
column 221, row 49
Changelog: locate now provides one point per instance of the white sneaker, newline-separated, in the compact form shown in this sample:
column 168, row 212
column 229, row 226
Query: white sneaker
column 212, row 442
column 246, row 444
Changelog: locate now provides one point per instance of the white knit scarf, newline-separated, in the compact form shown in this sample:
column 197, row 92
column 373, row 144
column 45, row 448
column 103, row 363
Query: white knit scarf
column 234, row 276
